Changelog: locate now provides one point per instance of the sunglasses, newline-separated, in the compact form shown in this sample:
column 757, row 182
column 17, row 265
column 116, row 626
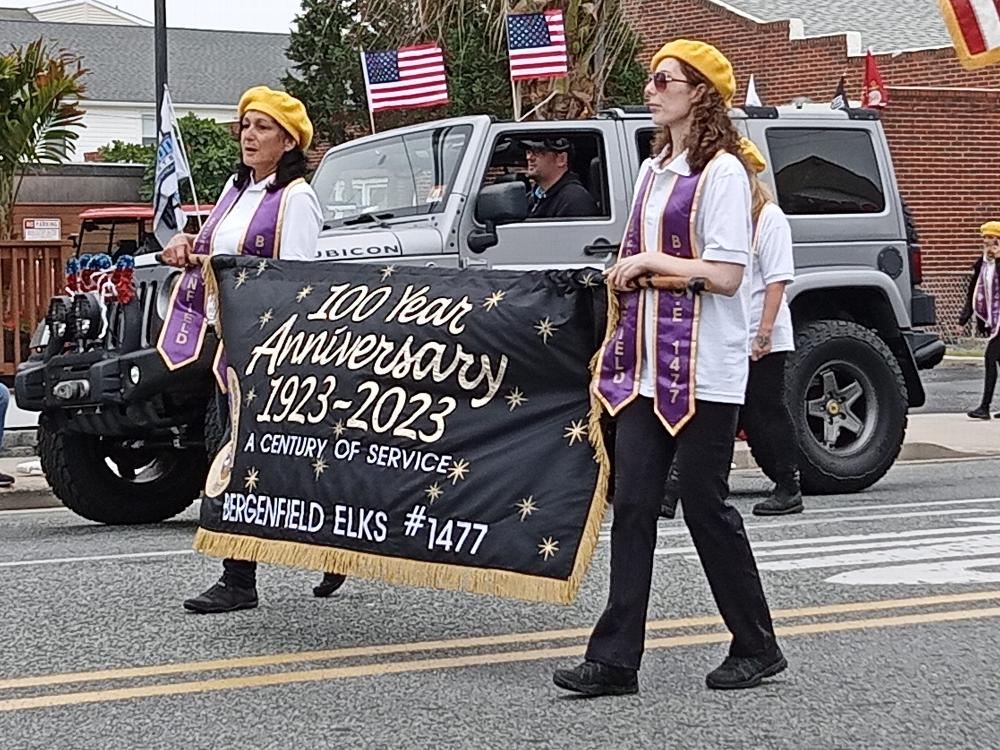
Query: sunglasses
column 660, row 80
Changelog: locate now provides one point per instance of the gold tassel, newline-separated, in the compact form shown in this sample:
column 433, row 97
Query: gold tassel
column 211, row 292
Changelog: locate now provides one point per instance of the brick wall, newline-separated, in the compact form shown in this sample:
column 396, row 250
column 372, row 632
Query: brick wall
column 944, row 143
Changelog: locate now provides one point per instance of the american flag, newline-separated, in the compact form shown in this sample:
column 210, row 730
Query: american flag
column 974, row 26
column 405, row 78
column 537, row 45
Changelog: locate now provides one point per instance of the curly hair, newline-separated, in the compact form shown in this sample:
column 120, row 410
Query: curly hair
column 711, row 129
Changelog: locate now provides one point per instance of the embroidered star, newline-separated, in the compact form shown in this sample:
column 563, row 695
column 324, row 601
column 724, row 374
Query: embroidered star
column 545, row 329
column 434, row 492
column 526, row 506
column 589, row 281
column 387, row 271
column 250, row 396
column 319, row 466
column 548, row 547
column 577, row 430
column 251, row 479
column 241, row 278
column 338, row 428
column 266, row 318
column 303, row 293
column 261, row 267
column 458, row 470
column 494, row 299
column 515, row 398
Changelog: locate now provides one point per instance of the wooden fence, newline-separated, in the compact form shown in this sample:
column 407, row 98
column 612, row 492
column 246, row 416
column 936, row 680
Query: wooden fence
column 30, row 274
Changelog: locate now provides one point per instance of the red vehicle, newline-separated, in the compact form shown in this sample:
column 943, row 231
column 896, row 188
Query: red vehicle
column 126, row 229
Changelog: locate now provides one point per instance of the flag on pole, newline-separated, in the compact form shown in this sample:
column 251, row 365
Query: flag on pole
column 974, row 26
column 171, row 168
column 537, row 45
column 874, row 93
column 405, row 78
column 840, row 96
column 753, row 100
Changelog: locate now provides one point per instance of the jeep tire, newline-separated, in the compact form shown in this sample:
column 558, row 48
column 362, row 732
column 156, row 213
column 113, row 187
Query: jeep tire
column 105, row 480
column 848, row 401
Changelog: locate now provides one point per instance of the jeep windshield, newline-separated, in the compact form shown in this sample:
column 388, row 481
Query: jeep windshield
column 406, row 175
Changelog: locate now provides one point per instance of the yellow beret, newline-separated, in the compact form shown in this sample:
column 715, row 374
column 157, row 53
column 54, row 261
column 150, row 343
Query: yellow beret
column 288, row 111
column 990, row 229
column 752, row 155
column 704, row 58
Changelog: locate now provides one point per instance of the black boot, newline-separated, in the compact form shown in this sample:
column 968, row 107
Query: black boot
column 330, row 583
column 738, row 672
column 237, row 589
column 980, row 412
column 785, row 498
column 671, row 494
column 593, row 678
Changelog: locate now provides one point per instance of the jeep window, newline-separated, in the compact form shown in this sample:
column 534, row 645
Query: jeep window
column 588, row 162
column 825, row 171
column 644, row 143
column 407, row 175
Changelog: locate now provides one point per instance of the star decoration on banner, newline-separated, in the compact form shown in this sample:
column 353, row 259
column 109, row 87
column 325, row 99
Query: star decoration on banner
column 261, row 267
column 548, row 547
column 526, row 506
column 387, row 271
column 266, row 318
column 319, row 466
column 458, row 470
column 250, row 396
column 338, row 428
column 251, row 479
column 577, row 430
column 303, row 293
column 589, row 281
column 546, row 330
column 241, row 278
column 494, row 299
column 515, row 398
column 434, row 492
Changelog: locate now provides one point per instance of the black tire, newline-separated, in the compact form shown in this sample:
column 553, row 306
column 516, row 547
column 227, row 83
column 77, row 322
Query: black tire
column 847, row 397
column 164, row 481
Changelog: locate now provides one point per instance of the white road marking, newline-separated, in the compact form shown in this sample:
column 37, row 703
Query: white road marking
column 942, row 572
column 25, row 511
column 972, row 546
column 94, row 558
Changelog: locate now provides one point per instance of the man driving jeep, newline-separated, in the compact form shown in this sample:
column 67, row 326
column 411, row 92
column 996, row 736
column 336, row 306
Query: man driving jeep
column 556, row 191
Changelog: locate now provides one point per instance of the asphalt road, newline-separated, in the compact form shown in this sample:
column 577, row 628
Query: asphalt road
column 954, row 386
column 886, row 603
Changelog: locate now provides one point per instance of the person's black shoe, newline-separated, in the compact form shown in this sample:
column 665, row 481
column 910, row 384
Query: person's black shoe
column 979, row 413
column 738, row 672
column 669, row 507
column 779, row 503
column 330, row 583
column 222, row 597
column 6, row 480
column 592, row 678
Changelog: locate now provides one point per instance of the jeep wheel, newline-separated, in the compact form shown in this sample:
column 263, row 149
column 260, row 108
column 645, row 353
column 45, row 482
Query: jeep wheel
column 112, row 482
column 848, row 401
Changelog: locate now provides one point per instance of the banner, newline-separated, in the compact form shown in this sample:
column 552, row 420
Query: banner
column 424, row 426
column 171, row 168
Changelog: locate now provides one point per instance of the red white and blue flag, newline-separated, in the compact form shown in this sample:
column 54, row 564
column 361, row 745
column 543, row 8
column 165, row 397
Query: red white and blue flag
column 974, row 26
column 537, row 45
column 405, row 78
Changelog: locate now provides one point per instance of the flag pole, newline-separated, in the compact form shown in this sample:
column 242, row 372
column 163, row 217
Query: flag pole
column 180, row 144
column 515, row 92
column 368, row 96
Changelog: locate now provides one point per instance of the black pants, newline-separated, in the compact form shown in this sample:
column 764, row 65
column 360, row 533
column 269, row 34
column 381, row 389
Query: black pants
column 768, row 425
column 703, row 451
column 992, row 362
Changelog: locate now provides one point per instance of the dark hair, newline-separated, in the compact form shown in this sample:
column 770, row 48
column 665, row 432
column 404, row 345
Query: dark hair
column 711, row 129
column 291, row 166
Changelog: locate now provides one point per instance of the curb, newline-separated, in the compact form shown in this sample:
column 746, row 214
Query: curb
column 19, row 499
column 909, row 452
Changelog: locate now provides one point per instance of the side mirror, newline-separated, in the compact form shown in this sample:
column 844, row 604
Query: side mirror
column 502, row 203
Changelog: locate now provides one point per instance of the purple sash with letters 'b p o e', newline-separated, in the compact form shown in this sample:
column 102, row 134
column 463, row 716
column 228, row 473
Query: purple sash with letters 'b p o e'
column 987, row 301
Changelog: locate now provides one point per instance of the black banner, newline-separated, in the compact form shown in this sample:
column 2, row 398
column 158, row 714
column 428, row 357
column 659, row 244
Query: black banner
column 424, row 426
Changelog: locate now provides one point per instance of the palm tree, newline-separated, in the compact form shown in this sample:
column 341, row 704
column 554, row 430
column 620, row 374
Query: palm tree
column 43, row 88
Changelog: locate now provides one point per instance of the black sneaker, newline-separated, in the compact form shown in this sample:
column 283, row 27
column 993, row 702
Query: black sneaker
column 222, row 597
column 668, row 509
column 592, row 678
column 738, row 672
column 981, row 413
column 780, row 503
column 6, row 480
column 330, row 583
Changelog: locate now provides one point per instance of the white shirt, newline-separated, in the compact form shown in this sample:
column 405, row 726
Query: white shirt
column 300, row 226
column 773, row 262
column 722, row 233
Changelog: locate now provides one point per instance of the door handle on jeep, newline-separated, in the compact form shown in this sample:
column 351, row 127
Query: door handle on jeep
column 600, row 247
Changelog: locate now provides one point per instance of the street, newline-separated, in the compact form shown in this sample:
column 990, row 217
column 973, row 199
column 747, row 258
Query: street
column 885, row 603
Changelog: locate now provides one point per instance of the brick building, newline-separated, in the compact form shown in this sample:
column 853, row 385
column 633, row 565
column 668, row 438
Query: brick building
column 943, row 122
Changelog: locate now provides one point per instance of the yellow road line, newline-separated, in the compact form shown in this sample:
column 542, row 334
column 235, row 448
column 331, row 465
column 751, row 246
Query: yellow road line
column 389, row 649
column 458, row 662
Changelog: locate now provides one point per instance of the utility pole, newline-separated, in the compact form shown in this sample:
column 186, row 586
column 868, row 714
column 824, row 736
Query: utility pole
column 160, row 47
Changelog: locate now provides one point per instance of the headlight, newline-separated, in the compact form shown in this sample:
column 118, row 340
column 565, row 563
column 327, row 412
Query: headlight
column 57, row 317
column 86, row 318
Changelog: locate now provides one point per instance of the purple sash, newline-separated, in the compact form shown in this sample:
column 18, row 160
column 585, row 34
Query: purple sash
column 988, row 313
column 183, row 332
column 676, row 316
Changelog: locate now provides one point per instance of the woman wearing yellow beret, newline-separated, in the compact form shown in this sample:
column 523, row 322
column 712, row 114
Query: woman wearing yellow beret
column 267, row 210
column 983, row 301
column 673, row 374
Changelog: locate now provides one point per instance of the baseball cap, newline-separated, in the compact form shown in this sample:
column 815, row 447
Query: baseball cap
column 547, row 144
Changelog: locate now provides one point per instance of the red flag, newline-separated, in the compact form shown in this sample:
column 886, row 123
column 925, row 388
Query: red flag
column 974, row 26
column 874, row 93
